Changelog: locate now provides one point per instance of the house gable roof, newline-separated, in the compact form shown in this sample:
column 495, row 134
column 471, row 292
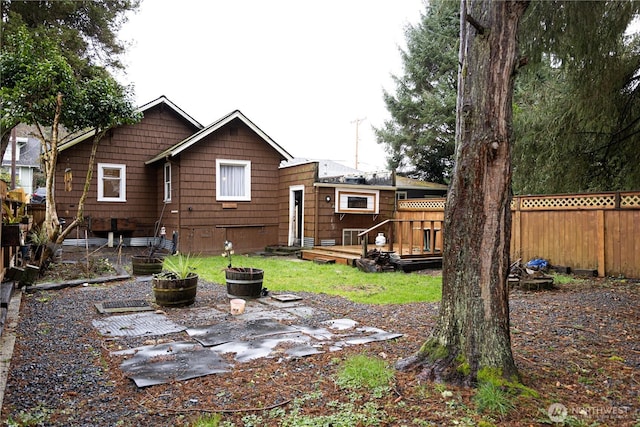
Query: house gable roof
column 203, row 133
column 146, row 107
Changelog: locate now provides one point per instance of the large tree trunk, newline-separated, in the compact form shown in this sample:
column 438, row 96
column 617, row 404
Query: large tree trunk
column 472, row 333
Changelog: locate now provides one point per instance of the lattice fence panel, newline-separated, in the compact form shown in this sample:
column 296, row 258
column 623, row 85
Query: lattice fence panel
column 563, row 202
column 630, row 200
column 577, row 201
column 421, row 204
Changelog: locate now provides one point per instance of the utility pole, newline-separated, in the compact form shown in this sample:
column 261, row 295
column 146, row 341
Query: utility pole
column 14, row 146
column 357, row 122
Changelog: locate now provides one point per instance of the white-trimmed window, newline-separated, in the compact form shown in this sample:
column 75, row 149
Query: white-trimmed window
column 112, row 182
column 233, row 180
column 167, row 182
column 357, row 201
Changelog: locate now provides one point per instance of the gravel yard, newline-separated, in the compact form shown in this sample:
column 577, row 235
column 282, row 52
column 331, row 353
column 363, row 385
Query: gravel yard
column 577, row 345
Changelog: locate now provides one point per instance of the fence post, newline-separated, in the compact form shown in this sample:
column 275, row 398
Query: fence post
column 517, row 230
column 601, row 242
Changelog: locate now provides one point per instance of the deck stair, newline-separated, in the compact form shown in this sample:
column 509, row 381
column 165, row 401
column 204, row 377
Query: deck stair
column 332, row 254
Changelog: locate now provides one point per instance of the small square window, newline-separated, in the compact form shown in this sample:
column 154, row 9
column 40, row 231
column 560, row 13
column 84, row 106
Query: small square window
column 111, row 182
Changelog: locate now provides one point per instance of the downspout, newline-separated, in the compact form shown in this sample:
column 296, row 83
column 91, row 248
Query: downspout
column 315, row 216
column 316, row 207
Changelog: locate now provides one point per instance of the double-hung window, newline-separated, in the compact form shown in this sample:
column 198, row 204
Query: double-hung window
column 112, row 182
column 233, row 180
column 167, row 182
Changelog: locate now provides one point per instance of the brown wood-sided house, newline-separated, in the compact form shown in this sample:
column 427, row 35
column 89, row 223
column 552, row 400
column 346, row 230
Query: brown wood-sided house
column 206, row 185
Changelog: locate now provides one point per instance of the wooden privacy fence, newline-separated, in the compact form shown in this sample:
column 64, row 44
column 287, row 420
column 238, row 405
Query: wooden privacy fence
column 599, row 232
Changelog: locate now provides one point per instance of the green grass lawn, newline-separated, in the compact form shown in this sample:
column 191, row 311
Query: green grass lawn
column 294, row 275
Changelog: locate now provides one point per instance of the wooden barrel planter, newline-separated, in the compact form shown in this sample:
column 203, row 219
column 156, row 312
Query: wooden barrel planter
column 142, row 265
column 170, row 292
column 245, row 283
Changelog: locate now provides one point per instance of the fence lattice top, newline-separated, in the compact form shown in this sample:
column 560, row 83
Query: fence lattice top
column 630, row 200
column 573, row 201
column 421, row 204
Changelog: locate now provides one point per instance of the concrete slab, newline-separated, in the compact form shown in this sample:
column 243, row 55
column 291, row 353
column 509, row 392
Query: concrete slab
column 271, row 302
column 286, row 297
column 138, row 324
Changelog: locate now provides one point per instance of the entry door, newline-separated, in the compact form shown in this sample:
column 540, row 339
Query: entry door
column 296, row 215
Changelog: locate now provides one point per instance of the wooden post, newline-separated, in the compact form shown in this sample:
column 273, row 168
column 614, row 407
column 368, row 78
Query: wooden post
column 516, row 230
column 315, row 217
column 601, row 242
column 411, row 237
column 365, row 239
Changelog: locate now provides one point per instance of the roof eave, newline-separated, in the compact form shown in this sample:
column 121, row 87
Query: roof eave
column 161, row 100
column 203, row 133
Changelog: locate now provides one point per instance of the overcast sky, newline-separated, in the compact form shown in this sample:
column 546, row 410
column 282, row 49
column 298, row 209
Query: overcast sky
column 302, row 70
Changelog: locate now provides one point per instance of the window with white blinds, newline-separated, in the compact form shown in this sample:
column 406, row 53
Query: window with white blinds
column 233, row 180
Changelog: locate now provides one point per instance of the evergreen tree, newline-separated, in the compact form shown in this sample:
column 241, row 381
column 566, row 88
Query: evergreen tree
column 85, row 32
column 576, row 103
column 420, row 135
column 577, row 110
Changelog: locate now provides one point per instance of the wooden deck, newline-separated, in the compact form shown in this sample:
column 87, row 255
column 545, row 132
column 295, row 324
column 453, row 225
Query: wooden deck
column 349, row 254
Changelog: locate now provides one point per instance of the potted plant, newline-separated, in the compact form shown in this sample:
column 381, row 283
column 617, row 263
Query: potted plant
column 242, row 282
column 151, row 262
column 11, row 233
column 177, row 283
column 38, row 239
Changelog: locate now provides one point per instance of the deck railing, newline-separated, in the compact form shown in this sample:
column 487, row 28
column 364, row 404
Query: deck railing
column 408, row 237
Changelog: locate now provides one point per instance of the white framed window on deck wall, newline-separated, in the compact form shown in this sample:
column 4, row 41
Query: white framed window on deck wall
column 167, row 182
column 233, row 180
column 112, row 182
